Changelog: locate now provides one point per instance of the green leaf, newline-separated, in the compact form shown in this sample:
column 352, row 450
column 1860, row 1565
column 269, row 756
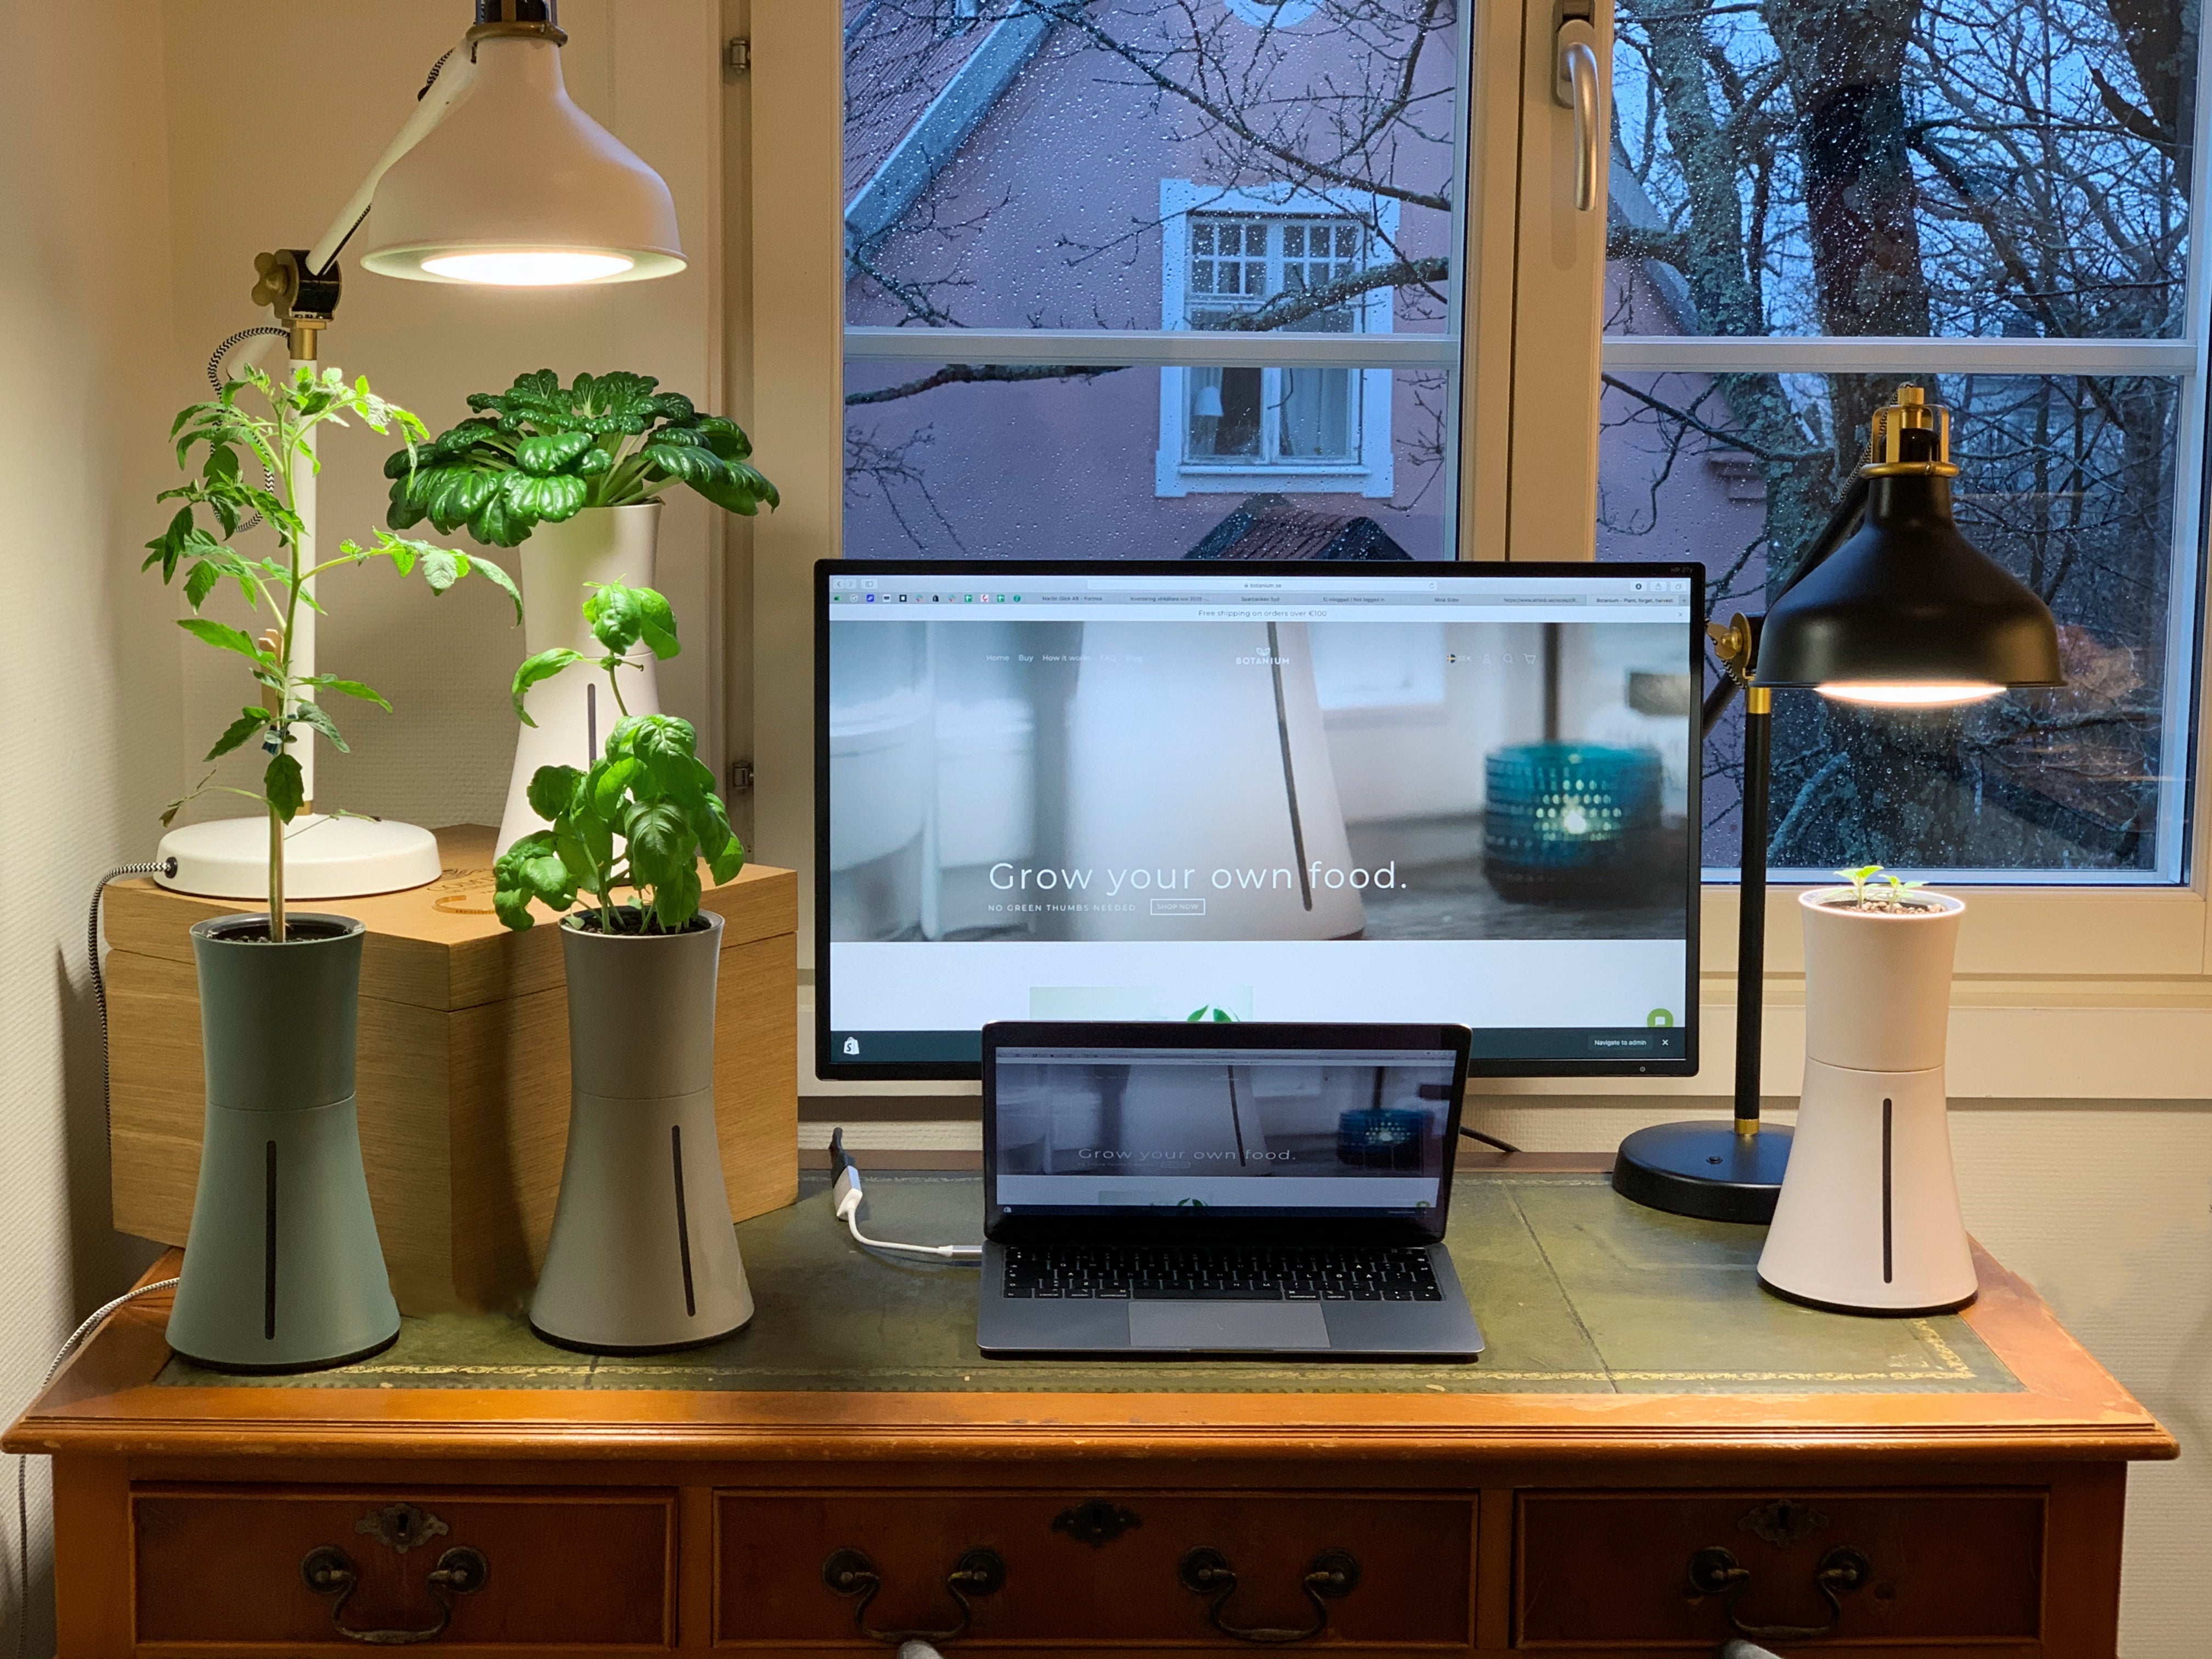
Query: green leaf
column 740, row 489
column 551, row 499
column 349, row 688
column 656, row 624
column 285, row 785
column 553, row 791
column 498, row 524
column 542, row 666
column 312, row 714
column 611, row 610
column 442, row 565
column 548, row 454
column 223, row 636
column 675, row 900
column 409, row 502
column 725, row 438
column 699, row 468
column 499, row 579
column 530, row 869
column 660, row 842
column 201, row 582
column 710, row 822
column 454, row 494
column 611, row 781
column 239, row 730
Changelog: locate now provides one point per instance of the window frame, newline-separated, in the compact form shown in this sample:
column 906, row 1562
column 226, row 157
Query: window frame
column 1373, row 475
column 2062, row 993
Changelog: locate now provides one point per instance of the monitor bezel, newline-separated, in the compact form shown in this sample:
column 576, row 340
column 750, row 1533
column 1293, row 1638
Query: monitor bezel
column 1150, row 1226
column 831, row 1067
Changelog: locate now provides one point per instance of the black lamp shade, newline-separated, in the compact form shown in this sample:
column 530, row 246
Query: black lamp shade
column 1908, row 600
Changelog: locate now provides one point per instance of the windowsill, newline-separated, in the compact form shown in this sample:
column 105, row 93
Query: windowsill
column 2011, row 1039
column 1203, row 480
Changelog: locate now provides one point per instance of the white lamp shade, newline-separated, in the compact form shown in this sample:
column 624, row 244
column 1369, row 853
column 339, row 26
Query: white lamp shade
column 519, row 187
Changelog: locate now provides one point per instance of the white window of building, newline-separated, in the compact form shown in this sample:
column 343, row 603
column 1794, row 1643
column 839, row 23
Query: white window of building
column 1261, row 264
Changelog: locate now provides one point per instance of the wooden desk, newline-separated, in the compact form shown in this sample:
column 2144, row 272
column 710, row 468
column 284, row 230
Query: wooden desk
column 1642, row 1402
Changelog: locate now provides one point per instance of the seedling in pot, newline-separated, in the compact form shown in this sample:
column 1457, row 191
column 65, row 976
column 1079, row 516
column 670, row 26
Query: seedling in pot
column 1898, row 901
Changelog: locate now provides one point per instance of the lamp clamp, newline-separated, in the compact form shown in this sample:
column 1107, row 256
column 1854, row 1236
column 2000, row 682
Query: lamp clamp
column 304, row 300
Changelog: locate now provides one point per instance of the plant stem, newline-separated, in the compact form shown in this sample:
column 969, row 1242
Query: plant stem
column 286, row 442
column 614, row 680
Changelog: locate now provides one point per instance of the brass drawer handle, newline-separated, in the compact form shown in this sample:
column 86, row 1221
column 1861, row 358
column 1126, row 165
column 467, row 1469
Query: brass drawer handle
column 1714, row 1572
column 1332, row 1574
column 978, row 1573
column 329, row 1571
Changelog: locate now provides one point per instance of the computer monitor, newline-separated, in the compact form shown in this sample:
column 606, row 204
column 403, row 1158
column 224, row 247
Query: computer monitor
column 1226, row 790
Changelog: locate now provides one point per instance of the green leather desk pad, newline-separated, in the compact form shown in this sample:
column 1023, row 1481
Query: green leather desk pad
column 1577, row 1290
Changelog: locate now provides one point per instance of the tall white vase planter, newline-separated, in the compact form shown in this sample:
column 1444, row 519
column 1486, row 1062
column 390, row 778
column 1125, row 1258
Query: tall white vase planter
column 1867, row 1221
column 573, row 709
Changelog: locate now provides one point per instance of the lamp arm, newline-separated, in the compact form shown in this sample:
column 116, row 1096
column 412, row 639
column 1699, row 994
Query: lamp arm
column 452, row 78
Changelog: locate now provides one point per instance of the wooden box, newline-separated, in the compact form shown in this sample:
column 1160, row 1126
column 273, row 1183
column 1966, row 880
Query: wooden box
column 464, row 1069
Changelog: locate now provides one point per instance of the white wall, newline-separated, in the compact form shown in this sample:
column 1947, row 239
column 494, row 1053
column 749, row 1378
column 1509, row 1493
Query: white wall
column 276, row 113
column 88, row 681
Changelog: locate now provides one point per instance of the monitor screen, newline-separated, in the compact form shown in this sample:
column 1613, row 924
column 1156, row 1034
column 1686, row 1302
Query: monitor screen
column 1351, row 1135
column 1232, row 790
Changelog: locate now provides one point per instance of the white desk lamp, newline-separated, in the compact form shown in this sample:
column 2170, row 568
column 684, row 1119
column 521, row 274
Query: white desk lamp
column 496, row 179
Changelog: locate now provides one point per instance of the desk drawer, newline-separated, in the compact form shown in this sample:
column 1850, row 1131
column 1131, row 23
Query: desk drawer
column 1098, row 1566
column 223, row 1564
column 1616, row 1570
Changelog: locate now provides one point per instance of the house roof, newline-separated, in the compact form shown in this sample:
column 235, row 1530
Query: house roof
column 897, row 60
column 1269, row 527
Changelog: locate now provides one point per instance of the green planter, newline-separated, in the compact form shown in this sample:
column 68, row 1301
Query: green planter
column 284, row 1271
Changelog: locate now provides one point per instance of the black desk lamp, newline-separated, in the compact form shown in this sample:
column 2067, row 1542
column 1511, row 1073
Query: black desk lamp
column 1906, row 613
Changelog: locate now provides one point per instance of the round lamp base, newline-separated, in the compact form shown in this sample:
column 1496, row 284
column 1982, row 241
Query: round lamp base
column 1705, row 1169
column 324, row 858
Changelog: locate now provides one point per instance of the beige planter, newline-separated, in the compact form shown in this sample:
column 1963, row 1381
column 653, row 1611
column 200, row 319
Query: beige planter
column 1868, row 1220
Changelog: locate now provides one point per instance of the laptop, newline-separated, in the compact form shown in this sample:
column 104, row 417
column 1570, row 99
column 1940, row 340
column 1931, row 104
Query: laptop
column 1221, row 1188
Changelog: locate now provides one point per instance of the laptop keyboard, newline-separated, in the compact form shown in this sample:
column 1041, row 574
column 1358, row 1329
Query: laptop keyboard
column 1222, row 1274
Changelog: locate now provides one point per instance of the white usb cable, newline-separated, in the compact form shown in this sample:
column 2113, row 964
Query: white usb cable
column 845, row 1195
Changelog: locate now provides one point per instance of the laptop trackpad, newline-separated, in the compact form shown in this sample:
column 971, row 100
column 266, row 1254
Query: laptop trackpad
column 1216, row 1326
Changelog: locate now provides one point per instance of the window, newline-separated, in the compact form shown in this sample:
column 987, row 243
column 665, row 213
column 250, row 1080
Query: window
column 1993, row 198
column 1133, row 281
column 1238, row 261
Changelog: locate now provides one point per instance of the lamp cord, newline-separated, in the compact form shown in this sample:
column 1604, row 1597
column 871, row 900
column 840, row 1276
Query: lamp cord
column 23, row 1459
column 1488, row 1140
column 216, row 380
column 166, row 867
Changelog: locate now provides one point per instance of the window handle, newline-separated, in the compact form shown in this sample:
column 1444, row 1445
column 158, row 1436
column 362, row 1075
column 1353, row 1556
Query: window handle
column 1575, row 87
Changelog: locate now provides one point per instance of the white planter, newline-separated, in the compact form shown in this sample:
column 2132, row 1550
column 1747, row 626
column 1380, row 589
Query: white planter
column 1868, row 1220
column 574, row 710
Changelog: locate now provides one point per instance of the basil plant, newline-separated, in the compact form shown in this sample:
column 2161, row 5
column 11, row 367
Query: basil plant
column 645, row 816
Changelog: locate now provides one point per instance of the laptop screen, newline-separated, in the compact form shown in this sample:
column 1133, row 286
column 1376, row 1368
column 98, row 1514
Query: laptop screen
column 1344, row 1134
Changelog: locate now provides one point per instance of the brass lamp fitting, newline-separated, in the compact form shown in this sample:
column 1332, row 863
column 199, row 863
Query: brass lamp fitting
column 538, row 18
column 1911, row 435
